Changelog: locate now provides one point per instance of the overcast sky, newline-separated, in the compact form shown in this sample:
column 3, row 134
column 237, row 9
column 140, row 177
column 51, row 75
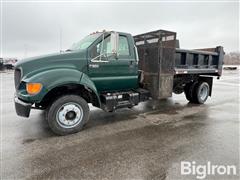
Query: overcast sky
column 31, row 29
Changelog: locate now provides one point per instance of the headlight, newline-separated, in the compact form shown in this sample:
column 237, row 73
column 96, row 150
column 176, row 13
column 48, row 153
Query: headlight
column 33, row 88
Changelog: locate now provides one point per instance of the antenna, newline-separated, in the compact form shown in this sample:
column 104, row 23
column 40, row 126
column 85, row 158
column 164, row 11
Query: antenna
column 25, row 50
column 60, row 38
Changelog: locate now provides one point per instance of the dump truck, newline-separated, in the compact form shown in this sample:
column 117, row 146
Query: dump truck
column 112, row 70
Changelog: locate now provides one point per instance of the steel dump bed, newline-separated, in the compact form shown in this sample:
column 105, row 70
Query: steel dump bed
column 161, row 61
column 198, row 61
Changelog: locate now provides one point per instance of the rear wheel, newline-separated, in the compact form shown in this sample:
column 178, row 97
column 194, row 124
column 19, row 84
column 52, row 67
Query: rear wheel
column 197, row 92
column 188, row 90
column 200, row 92
column 68, row 114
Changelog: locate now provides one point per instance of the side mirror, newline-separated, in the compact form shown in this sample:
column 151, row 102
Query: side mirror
column 114, row 43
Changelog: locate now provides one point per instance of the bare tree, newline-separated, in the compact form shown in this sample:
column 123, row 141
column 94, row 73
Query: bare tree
column 232, row 58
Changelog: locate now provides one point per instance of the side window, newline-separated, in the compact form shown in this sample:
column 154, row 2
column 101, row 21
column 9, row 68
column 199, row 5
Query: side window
column 123, row 47
column 103, row 47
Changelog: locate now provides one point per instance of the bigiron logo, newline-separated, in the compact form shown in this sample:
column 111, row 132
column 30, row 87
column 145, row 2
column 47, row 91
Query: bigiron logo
column 201, row 171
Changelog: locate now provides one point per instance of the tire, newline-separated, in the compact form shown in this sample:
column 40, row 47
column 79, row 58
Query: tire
column 200, row 93
column 188, row 90
column 68, row 114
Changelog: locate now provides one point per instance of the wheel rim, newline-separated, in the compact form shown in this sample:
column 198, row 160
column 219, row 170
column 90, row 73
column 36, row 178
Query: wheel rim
column 203, row 93
column 69, row 115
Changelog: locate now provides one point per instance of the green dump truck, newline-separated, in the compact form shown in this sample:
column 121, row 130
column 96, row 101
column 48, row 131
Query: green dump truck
column 112, row 70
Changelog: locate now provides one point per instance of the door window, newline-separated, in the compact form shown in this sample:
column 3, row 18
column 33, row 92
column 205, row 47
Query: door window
column 103, row 47
column 123, row 47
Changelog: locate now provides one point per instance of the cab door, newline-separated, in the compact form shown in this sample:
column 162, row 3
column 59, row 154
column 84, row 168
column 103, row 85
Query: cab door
column 111, row 73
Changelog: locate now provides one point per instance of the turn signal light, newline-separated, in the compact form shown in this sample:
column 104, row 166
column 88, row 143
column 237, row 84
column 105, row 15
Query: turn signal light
column 34, row 88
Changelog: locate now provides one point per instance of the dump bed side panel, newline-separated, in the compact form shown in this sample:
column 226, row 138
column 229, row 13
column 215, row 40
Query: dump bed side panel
column 202, row 61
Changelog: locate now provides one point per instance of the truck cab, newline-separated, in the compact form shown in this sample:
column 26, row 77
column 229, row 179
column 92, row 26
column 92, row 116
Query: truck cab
column 110, row 71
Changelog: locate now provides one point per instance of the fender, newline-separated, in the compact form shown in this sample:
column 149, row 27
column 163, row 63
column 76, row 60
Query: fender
column 55, row 78
column 87, row 82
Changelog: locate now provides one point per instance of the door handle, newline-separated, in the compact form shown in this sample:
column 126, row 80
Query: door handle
column 131, row 62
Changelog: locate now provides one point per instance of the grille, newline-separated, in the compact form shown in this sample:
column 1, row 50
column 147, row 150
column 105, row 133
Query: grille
column 17, row 77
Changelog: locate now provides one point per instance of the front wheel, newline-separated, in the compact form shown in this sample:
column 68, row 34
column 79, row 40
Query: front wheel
column 68, row 114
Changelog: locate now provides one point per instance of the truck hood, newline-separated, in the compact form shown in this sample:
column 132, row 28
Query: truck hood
column 37, row 58
column 73, row 59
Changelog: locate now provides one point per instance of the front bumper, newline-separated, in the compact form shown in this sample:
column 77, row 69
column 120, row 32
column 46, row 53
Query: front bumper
column 22, row 108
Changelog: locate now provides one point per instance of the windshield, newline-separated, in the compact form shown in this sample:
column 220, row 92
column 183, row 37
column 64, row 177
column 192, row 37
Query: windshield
column 85, row 42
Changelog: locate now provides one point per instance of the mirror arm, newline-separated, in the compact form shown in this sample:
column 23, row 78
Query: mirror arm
column 100, row 60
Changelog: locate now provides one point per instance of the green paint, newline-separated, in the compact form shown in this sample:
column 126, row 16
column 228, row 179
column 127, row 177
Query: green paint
column 75, row 67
